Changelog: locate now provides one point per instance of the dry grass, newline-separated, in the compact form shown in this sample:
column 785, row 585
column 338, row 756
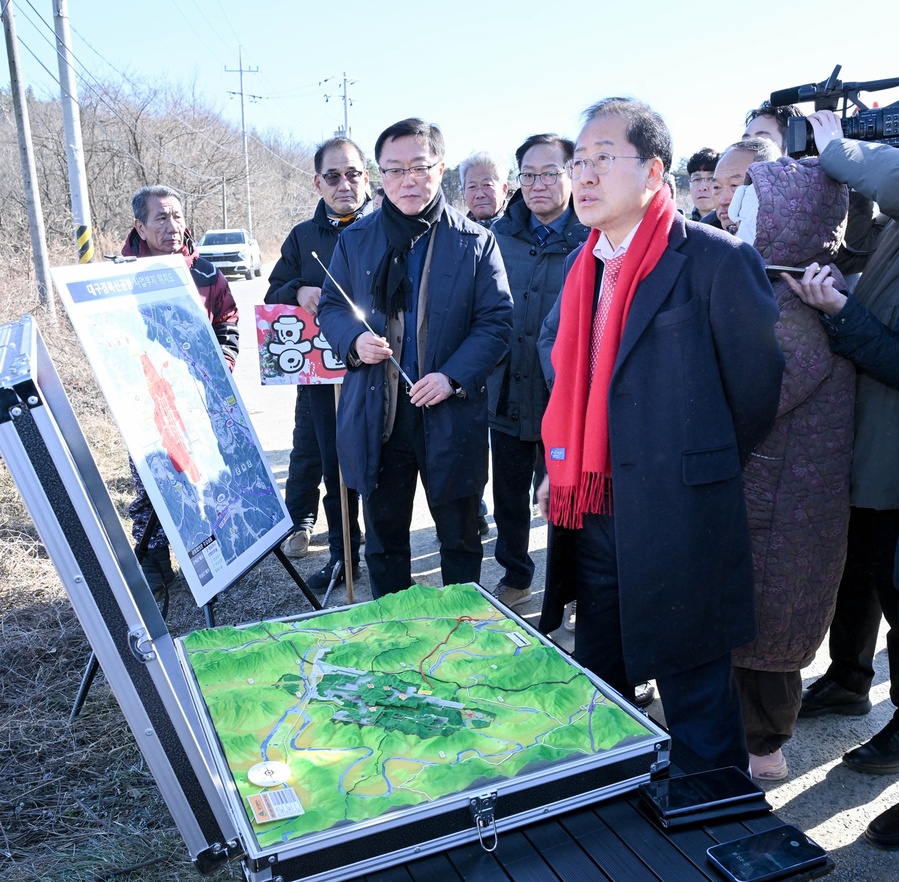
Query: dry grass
column 79, row 803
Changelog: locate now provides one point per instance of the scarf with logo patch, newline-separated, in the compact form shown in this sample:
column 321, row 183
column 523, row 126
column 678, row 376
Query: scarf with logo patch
column 576, row 422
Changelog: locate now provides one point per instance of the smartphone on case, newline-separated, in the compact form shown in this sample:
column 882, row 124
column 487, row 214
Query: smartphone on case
column 767, row 856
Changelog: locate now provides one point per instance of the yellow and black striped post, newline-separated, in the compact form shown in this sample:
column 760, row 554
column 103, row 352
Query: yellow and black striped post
column 84, row 241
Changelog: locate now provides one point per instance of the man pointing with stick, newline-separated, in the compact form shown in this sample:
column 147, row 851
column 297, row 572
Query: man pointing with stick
column 433, row 289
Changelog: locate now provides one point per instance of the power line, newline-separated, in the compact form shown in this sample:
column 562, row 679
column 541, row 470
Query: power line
column 99, row 91
column 101, row 97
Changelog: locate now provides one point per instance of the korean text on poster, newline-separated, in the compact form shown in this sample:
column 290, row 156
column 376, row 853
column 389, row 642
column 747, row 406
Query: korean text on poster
column 292, row 348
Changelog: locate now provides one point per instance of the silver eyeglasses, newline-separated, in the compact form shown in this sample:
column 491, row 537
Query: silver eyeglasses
column 601, row 163
column 527, row 179
column 417, row 171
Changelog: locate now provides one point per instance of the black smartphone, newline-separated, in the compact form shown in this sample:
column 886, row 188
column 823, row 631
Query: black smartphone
column 690, row 793
column 764, row 857
column 797, row 272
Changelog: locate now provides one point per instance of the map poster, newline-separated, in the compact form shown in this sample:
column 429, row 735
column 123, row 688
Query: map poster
column 292, row 349
column 148, row 338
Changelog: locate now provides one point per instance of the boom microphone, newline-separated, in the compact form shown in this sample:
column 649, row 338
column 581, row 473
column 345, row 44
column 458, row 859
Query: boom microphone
column 788, row 96
column 830, row 88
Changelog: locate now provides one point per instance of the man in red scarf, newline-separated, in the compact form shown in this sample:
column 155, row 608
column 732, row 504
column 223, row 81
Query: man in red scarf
column 665, row 373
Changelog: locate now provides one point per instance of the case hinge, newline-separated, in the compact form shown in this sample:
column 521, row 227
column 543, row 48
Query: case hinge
column 141, row 645
column 212, row 859
column 483, row 813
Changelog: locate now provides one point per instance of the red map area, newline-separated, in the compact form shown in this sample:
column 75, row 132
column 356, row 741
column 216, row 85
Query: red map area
column 168, row 421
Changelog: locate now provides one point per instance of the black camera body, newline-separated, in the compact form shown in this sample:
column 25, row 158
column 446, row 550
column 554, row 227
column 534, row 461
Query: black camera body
column 878, row 124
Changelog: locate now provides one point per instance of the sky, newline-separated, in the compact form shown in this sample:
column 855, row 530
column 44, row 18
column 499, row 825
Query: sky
column 490, row 72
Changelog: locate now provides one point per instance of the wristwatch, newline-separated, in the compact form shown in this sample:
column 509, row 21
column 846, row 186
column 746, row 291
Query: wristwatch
column 458, row 391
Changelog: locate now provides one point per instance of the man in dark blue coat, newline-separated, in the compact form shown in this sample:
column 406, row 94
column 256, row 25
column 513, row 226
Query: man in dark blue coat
column 341, row 179
column 666, row 375
column 432, row 286
column 537, row 233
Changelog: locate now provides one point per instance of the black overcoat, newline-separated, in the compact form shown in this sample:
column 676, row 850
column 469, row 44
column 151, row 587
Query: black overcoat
column 469, row 316
column 695, row 386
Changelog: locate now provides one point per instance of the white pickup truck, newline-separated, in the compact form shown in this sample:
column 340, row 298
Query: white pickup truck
column 234, row 252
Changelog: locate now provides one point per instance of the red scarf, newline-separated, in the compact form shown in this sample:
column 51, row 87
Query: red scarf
column 576, row 422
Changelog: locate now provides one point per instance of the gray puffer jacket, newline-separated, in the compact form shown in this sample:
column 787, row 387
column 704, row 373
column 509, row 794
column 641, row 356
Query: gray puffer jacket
column 797, row 480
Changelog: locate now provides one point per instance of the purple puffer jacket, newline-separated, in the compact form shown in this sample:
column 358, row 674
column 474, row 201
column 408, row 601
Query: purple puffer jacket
column 797, row 480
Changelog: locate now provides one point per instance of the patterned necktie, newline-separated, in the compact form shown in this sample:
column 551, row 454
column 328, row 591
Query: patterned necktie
column 609, row 278
column 542, row 233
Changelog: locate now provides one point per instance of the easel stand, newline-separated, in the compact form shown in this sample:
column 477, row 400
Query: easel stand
column 90, row 671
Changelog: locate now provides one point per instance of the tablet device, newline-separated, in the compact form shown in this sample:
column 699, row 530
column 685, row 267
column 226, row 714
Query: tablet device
column 767, row 856
column 703, row 796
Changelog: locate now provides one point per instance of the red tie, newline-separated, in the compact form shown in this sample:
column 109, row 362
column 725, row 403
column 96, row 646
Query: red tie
column 609, row 278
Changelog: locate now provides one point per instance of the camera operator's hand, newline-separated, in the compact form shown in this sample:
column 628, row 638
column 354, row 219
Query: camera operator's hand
column 826, row 126
column 816, row 289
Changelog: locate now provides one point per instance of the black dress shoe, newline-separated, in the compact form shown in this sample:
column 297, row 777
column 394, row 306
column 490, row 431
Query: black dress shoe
column 483, row 526
column 880, row 754
column 883, row 831
column 826, row 697
column 318, row 582
column 644, row 693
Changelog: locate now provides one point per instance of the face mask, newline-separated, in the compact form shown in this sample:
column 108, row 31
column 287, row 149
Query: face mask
column 744, row 210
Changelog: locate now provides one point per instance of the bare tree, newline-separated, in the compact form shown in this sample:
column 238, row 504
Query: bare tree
column 137, row 133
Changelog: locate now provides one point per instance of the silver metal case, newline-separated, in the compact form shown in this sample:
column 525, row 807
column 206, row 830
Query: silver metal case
column 245, row 680
column 156, row 687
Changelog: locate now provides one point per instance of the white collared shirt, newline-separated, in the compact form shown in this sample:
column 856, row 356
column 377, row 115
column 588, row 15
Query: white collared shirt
column 604, row 250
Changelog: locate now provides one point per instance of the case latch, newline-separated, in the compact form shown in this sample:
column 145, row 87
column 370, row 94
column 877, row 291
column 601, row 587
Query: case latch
column 483, row 812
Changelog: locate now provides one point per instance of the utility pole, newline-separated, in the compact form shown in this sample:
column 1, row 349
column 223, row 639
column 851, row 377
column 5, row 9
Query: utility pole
column 225, row 204
column 29, row 171
column 346, row 104
column 71, row 115
column 243, row 125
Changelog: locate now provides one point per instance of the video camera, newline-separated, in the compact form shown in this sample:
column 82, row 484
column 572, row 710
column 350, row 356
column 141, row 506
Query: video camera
column 880, row 124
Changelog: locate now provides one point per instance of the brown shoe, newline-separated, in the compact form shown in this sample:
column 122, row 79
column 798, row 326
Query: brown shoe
column 509, row 596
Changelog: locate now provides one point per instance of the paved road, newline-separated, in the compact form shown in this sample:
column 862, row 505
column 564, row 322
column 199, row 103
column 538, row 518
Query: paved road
column 832, row 803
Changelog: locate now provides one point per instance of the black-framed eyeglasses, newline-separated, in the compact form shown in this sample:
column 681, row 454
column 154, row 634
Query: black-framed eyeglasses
column 333, row 177
column 601, row 163
column 527, row 179
column 417, row 171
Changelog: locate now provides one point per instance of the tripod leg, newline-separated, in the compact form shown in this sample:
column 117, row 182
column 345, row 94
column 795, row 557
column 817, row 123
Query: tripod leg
column 335, row 575
column 292, row 572
column 87, row 678
column 209, row 612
